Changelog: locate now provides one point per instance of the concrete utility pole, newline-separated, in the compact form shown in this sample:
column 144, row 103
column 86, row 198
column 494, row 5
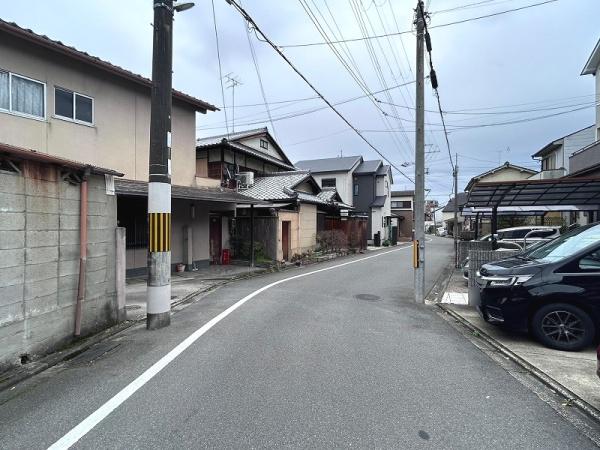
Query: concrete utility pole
column 159, row 174
column 419, row 238
column 455, row 229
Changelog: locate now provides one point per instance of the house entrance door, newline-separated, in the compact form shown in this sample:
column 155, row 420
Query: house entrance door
column 286, row 226
column 215, row 238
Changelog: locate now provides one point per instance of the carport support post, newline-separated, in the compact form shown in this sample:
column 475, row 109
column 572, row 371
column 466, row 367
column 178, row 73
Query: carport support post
column 494, row 227
column 159, row 179
column 251, row 235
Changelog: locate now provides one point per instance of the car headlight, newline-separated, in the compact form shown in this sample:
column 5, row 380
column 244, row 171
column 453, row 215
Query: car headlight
column 511, row 280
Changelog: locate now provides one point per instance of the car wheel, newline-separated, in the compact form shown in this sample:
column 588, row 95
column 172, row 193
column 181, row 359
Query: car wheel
column 563, row 327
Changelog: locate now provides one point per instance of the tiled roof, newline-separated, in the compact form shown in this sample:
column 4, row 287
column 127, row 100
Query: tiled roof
column 251, row 151
column 369, row 166
column 280, row 186
column 211, row 194
column 211, row 140
column 342, row 164
column 233, row 139
column 461, row 200
column 72, row 52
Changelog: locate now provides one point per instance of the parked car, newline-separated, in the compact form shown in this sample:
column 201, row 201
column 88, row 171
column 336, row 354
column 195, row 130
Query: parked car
column 551, row 290
column 517, row 238
column 441, row 231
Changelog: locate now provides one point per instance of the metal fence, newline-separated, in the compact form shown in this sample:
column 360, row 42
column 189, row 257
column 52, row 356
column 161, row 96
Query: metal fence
column 465, row 246
column 479, row 257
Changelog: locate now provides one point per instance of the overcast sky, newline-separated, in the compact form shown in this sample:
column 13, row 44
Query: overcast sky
column 526, row 63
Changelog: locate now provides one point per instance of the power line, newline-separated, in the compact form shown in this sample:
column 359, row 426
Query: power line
column 246, row 16
column 379, row 36
column 515, row 111
column 305, row 112
column 260, row 82
column 219, row 59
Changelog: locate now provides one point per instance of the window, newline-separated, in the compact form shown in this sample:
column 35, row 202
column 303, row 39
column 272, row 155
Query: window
column 590, row 262
column 22, row 95
column 73, row 106
column 264, row 144
column 328, row 182
column 355, row 189
column 405, row 204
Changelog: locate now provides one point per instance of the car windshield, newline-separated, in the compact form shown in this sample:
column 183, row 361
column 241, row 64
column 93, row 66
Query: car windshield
column 566, row 245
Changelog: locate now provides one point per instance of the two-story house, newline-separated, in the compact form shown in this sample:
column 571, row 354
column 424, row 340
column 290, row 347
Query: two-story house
column 364, row 185
column 63, row 102
column 554, row 157
column 77, row 112
column 402, row 206
column 468, row 221
column 294, row 206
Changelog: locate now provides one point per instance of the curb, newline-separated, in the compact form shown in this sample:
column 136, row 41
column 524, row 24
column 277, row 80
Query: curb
column 571, row 397
column 440, row 285
column 13, row 377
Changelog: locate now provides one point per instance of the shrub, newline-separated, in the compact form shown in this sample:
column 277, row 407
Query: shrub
column 386, row 243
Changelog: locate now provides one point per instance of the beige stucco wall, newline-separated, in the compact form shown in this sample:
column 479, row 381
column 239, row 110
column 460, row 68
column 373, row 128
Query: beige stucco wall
column 308, row 227
column 255, row 144
column 506, row 174
column 343, row 184
column 119, row 138
column 293, row 218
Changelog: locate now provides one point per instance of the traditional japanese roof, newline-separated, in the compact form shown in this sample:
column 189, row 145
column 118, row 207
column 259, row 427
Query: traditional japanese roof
column 461, row 200
column 506, row 165
column 367, row 167
column 591, row 66
column 233, row 141
column 331, row 195
column 19, row 153
column 280, row 187
column 210, row 194
column 71, row 52
column 379, row 201
column 341, row 164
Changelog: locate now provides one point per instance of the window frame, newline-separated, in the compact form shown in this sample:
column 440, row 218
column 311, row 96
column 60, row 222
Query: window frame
column 74, row 118
column 266, row 144
column 323, row 180
column 18, row 113
column 355, row 190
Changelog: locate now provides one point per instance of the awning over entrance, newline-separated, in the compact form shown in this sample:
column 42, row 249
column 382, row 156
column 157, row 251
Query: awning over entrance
column 562, row 194
column 208, row 194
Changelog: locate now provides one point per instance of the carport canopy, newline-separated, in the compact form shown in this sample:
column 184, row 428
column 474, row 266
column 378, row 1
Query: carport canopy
column 535, row 196
column 562, row 194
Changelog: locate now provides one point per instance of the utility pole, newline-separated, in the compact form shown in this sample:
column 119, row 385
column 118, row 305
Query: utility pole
column 419, row 237
column 455, row 229
column 159, row 175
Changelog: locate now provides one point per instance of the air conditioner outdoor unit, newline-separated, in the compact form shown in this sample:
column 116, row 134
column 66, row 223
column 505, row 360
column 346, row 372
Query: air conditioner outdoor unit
column 246, row 179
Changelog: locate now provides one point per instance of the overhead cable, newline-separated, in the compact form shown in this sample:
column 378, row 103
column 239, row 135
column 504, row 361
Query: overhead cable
column 246, row 16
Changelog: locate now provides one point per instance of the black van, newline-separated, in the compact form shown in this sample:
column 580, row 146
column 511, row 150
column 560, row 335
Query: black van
column 552, row 290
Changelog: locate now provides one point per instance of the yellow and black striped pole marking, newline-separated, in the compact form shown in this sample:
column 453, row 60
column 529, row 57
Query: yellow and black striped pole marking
column 160, row 232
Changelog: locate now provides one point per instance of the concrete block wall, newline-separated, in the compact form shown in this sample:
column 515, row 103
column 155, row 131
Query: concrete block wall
column 39, row 261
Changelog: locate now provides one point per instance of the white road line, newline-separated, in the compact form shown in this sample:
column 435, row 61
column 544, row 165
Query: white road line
column 101, row 413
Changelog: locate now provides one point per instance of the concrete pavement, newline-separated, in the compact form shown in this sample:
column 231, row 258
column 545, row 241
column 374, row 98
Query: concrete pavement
column 338, row 358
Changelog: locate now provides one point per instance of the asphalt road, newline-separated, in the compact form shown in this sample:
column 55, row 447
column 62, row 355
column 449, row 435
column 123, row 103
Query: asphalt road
column 338, row 358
